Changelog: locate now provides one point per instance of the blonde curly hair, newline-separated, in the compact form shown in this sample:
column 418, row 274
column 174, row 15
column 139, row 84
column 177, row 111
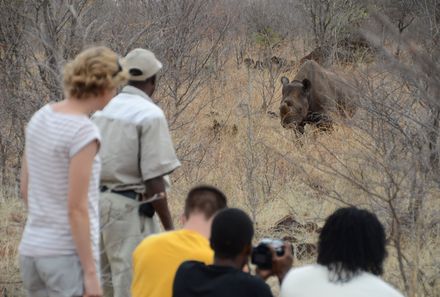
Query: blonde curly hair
column 93, row 71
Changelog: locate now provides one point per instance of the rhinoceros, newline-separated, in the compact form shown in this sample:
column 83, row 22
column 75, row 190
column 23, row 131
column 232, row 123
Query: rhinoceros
column 314, row 96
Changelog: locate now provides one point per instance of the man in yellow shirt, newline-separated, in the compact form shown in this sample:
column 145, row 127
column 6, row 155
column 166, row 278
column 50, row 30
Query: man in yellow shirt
column 156, row 258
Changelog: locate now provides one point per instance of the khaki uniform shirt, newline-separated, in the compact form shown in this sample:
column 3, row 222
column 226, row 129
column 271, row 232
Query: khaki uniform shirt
column 136, row 143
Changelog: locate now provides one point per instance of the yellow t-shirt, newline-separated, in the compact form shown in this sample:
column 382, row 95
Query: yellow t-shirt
column 156, row 259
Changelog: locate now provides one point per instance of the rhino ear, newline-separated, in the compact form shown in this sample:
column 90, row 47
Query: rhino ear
column 284, row 80
column 306, row 85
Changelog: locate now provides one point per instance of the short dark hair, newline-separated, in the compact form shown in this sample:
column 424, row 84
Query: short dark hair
column 231, row 231
column 206, row 199
column 151, row 79
column 351, row 241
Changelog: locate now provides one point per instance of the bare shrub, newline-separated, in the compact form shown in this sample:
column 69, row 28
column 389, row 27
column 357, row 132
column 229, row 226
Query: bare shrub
column 188, row 36
column 417, row 20
column 332, row 22
column 17, row 100
column 40, row 36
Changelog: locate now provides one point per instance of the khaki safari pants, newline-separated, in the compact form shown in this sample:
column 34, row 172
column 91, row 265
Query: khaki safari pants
column 122, row 229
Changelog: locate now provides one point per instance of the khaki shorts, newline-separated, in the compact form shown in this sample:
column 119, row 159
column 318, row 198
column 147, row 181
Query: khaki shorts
column 58, row 276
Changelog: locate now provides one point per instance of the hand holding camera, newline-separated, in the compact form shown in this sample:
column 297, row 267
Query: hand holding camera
column 272, row 257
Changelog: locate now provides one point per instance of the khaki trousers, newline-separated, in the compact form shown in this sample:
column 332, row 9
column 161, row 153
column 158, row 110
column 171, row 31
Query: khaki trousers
column 122, row 229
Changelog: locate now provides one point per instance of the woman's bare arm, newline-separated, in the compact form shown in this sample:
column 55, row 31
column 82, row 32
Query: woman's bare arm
column 80, row 171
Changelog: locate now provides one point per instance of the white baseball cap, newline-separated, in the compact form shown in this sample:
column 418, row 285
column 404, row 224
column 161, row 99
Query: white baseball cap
column 141, row 64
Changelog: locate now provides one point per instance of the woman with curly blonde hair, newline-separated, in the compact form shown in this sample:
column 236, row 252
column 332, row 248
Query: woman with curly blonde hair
column 59, row 250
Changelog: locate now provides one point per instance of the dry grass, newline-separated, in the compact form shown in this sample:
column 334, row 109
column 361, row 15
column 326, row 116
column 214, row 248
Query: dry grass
column 12, row 218
column 237, row 147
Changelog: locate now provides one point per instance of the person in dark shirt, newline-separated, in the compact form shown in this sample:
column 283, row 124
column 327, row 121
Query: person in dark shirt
column 231, row 236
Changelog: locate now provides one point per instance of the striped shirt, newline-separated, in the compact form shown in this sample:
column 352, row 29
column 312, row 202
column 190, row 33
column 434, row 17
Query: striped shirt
column 52, row 139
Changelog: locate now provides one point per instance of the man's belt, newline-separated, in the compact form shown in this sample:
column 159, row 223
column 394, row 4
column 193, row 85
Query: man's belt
column 126, row 193
column 145, row 209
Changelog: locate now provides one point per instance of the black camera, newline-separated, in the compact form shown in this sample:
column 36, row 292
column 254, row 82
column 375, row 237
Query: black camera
column 261, row 254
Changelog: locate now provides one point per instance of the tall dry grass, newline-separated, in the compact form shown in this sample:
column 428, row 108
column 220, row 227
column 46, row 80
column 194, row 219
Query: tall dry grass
column 12, row 219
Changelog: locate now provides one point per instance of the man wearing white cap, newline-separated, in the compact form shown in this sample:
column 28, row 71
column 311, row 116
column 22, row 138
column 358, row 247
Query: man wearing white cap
column 136, row 153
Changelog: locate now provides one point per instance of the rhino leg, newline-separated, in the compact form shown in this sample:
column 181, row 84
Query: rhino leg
column 300, row 127
column 321, row 120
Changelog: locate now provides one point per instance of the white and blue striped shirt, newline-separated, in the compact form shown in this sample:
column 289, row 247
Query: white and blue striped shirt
column 52, row 139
